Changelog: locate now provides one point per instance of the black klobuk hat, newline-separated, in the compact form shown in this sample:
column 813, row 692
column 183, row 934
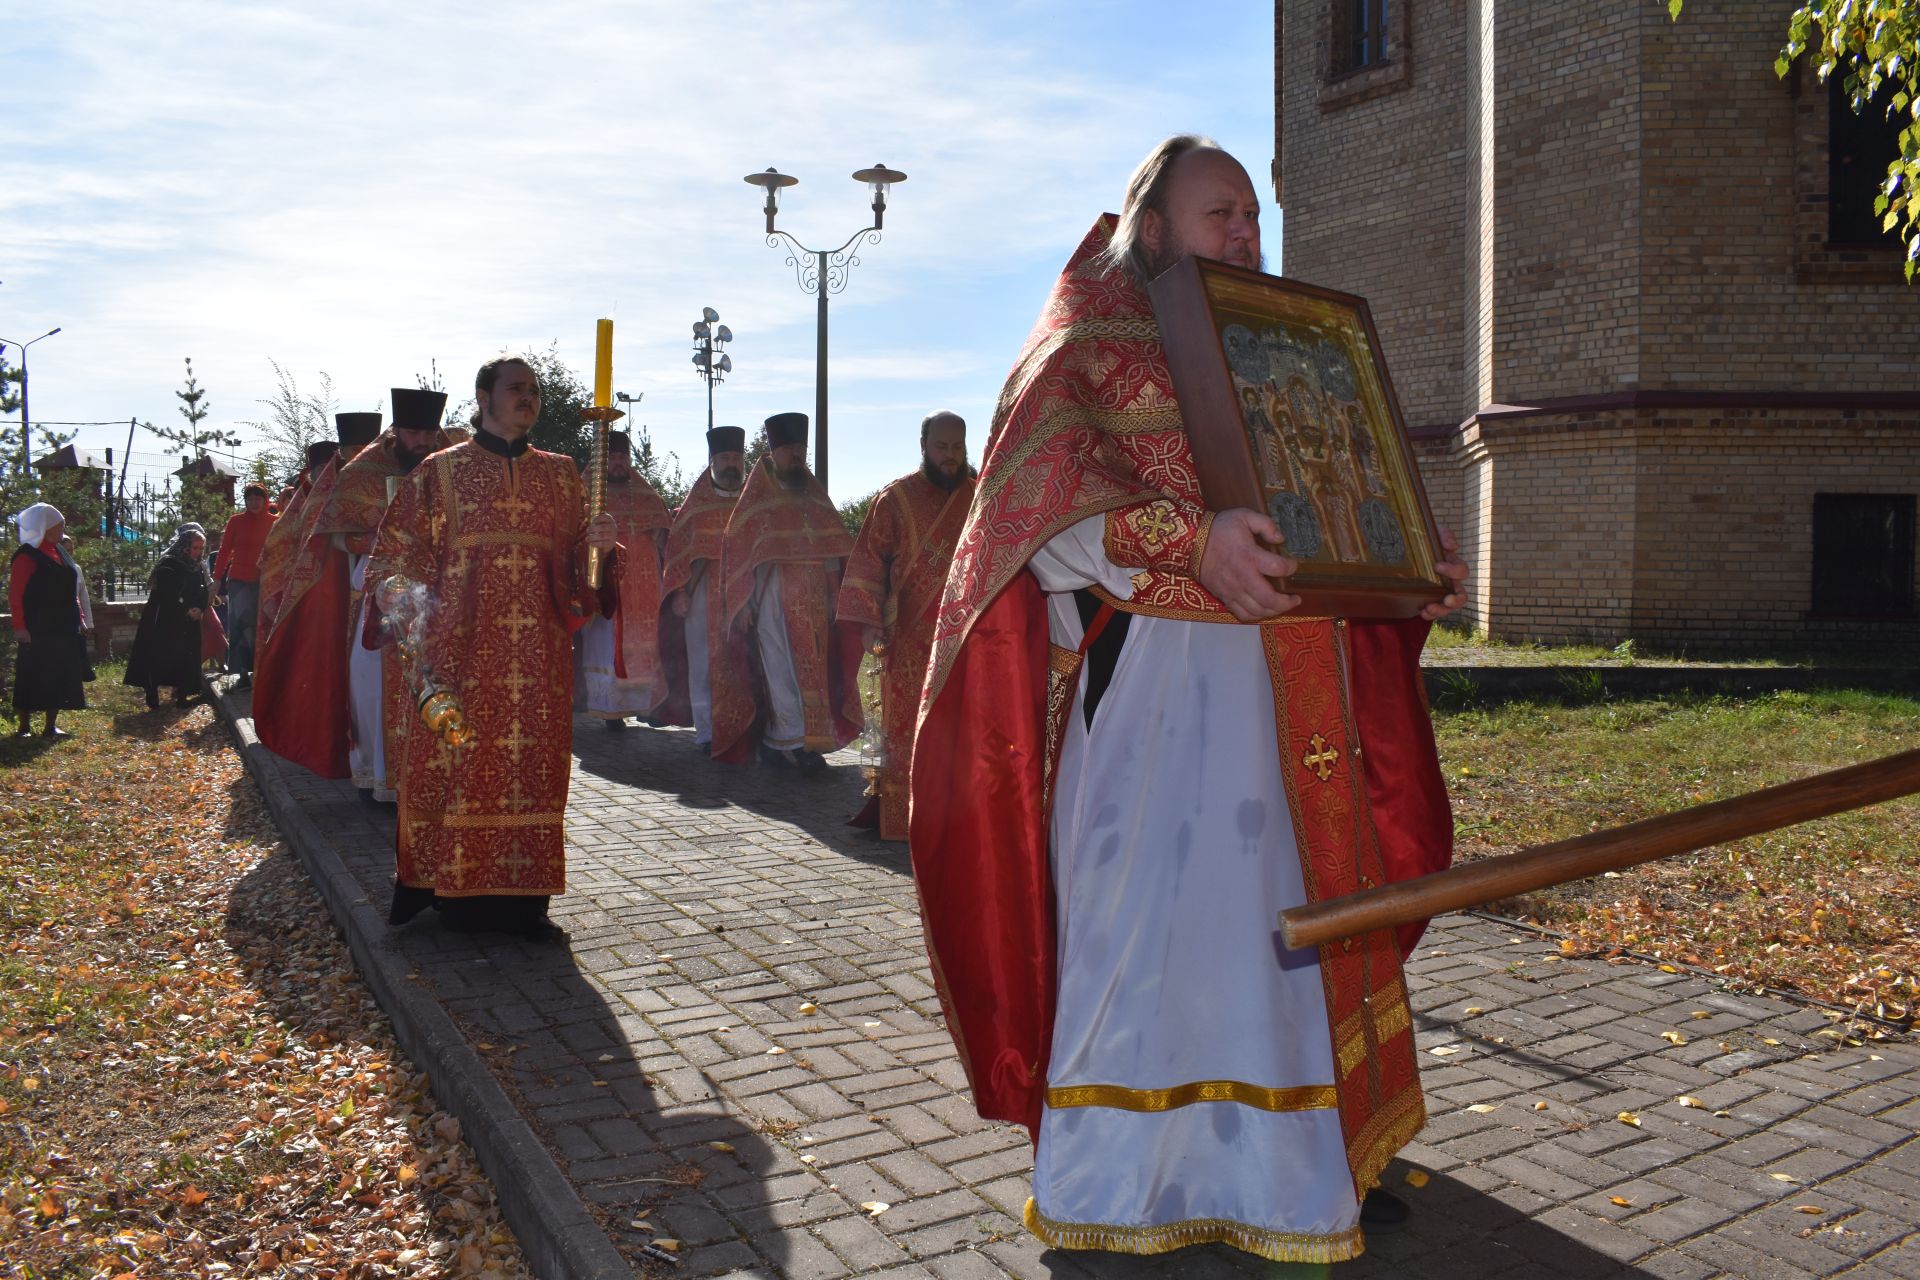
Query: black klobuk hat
column 319, row 451
column 726, row 440
column 356, row 428
column 785, row 429
column 415, row 409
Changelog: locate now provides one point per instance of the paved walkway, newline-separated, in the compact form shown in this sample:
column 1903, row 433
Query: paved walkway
column 741, row 1051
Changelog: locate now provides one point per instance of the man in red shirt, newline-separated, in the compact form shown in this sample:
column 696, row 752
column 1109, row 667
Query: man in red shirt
column 236, row 578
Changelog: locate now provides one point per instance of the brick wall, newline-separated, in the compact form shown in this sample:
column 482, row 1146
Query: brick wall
column 1375, row 192
column 1677, row 527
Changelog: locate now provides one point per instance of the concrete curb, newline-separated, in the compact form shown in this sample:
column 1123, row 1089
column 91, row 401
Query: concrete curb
column 559, row 1237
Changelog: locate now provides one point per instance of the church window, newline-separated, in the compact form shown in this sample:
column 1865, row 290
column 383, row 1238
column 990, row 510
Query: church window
column 1360, row 35
column 1863, row 555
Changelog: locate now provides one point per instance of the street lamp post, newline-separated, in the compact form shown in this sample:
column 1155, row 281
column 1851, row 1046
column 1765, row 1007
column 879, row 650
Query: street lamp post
column 26, row 421
column 822, row 272
column 710, row 359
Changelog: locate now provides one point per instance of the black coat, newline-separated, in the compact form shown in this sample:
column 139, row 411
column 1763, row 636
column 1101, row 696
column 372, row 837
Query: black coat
column 166, row 648
column 50, row 673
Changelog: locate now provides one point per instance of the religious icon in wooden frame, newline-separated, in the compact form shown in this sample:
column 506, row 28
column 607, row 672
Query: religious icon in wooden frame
column 1289, row 411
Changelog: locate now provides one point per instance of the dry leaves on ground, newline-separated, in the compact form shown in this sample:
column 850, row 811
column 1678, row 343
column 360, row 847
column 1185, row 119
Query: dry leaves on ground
column 193, row 1080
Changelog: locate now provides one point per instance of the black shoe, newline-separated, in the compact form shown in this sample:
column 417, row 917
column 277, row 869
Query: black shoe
column 614, row 726
column 1383, row 1212
column 153, row 699
column 544, row 931
column 244, row 682
column 55, row 733
column 704, row 748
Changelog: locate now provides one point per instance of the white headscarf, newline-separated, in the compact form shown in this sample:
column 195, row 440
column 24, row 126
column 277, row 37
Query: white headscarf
column 37, row 521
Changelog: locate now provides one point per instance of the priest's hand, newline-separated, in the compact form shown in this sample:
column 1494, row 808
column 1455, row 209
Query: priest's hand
column 1237, row 568
column 603, row 532
column 1454, row 570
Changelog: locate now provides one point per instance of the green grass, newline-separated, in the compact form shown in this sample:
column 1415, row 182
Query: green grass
column 1831, row 897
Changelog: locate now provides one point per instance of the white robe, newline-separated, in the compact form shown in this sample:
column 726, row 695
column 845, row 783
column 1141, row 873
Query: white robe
column 1173, row 852
column 786, row 713
column 608, row 696
column 366, row 702
column 699, row 692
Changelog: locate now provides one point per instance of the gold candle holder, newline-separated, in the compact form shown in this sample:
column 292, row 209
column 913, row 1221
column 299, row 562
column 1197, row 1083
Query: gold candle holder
column 602, row 417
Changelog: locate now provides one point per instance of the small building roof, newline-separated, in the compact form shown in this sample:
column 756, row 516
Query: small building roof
column 72, row 456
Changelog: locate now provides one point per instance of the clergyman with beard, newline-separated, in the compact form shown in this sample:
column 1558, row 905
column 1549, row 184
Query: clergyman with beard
column 786, row 686
column 690, row 620
column 378, row 702
column 891, row 593
column 1130, row 758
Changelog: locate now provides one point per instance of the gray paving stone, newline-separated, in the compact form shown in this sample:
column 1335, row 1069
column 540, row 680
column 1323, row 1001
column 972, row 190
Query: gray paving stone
column 707, row 905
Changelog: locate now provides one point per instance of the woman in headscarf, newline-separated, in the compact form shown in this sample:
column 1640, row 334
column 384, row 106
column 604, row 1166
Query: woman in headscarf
column 43, row 594
column 166, row 648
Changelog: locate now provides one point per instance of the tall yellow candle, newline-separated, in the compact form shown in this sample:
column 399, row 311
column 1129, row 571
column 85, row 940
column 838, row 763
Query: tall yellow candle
column 603, row 366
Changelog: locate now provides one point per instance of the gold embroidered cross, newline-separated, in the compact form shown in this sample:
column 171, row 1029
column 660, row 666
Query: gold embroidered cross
column 1154, row 524
column 516, row 622
column 515, row 682
column 515, row 507
column 1320, row 757
column 515, row 741
column 514, row 561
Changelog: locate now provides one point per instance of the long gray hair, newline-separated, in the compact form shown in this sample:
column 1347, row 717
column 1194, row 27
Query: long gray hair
column 1147, row 189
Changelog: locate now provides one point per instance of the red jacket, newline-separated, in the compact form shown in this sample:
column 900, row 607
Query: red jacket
column 240, row 544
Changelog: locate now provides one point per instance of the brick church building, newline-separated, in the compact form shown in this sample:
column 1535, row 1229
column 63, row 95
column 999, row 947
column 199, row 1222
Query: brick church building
column 1661, row 367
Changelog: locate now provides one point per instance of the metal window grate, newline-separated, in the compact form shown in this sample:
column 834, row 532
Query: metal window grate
column 1863, row 555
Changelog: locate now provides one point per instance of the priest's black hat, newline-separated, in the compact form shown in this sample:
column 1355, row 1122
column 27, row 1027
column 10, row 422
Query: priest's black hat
column 415, row 409
column 619, row 442
column 786, row 428
column 356, row 428
column 726, row 440
column 319, row 451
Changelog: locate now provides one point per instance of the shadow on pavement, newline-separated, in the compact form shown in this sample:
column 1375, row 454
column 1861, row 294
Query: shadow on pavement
column 575, row 1065
column 666, row 761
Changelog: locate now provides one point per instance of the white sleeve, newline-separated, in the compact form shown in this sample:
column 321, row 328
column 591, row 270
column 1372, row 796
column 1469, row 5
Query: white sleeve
column 1076, row 558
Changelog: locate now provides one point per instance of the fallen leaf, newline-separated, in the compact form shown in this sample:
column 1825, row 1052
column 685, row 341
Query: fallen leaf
column 808, row 1159
column 1673, row 1037
column 407, row 1174
column 875, row 1208
column 1688, row 1100
column 1808, row 1208
column 1622, row 1201
column 1471, row 1010
column 1445, row 1050
column 1416, row 1177
column 1698, row 1014
column 1482, row 1108
column 809, row 1008
column 668, row 1243
column 1629, row 1117
column 1539, row 1106
column 193, row 1197
column 1667, row 968
column 775, row 1052
column 1723, row 1114
column 1768, row 1040
column 1783, row 1177
column 721, row 1146
column 30, row 1084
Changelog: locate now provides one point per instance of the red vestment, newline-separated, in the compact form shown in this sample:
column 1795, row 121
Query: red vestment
column 352, row 513
column 893, row 583
column 499, row 546
column 641, row 520
column 277, row 552
column 801, row 531
column 1088, row 425
column 300, row 672
column 694, row 544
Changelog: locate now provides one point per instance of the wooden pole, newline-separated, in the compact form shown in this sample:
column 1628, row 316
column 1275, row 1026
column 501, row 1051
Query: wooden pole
column 1477, row 883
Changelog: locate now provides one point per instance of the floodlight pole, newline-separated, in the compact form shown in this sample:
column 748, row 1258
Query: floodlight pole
column 26, row 420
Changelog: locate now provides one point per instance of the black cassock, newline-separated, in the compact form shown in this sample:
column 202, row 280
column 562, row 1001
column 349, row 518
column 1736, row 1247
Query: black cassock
column 49, row 674
column 166, row 648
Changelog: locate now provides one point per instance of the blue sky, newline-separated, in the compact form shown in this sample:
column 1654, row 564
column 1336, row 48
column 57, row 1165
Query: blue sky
column 361, row 188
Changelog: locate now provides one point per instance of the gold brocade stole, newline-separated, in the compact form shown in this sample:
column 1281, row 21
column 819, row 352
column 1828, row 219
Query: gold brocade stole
column 920, row 546
column 1368, row 1018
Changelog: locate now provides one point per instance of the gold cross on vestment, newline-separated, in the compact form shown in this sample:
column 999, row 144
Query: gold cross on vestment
column 516, row 622
column 1154, row 524
column 517, row 863
column 1321, row 757
column 514, row 681
column 516, row 507
column 515, row 560
column 515, row 741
